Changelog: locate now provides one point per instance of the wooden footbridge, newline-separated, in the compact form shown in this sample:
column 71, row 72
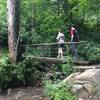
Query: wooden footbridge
column 47, row 52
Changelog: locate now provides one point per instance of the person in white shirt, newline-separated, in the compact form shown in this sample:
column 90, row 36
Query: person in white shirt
column 61, row 39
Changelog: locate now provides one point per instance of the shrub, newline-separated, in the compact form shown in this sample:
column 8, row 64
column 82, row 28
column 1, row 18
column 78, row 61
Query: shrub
column 25, row 72
column 91, row 51
column 59, row 91
column 68, row 67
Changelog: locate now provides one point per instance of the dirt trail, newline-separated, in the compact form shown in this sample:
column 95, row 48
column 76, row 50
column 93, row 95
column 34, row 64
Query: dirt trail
column 25, row 93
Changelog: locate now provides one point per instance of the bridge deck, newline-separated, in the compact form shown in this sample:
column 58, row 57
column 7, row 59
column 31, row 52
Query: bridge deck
column 57, row 60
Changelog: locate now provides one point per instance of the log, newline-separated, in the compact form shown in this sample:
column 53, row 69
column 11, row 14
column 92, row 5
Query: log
column 50, row 44
column 56, row 60
column 88, row 67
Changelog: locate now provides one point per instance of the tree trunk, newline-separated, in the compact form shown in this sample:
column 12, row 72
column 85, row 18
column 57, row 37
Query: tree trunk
column 57, row 60
column 13, row 28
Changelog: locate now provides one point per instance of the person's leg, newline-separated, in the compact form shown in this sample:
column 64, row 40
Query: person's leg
column 72, row 49
column 61, row 52
column 58, row 50
column 76, row 57
column 58, row 53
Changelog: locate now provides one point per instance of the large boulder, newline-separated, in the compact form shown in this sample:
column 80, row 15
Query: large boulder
column 86, row 85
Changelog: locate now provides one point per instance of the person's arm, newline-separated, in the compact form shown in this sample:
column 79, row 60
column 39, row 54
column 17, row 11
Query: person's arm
column 72, row 37
column 72, row 34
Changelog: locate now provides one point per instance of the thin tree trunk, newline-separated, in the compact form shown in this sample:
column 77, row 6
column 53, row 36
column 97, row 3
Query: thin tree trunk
column 13, row 28
column 58, row 3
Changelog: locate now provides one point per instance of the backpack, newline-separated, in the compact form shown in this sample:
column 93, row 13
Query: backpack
column 76, row 36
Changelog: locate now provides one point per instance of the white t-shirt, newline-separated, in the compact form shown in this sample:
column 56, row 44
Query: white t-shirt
column 60, row 37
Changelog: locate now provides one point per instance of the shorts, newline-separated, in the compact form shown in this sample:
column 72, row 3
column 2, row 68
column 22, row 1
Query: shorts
column 60, row 45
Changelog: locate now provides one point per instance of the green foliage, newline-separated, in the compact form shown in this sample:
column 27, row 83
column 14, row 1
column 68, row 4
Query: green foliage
column 59, row 91
column 67, row 69
column 46, row 16
column 91, row 51
column 38, row 51
column 32, row 70
column 3, row 23
column 25, row 72
column 40, row 20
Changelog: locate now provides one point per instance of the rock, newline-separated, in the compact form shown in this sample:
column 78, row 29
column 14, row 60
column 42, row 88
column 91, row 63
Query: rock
column 9, row 91
column 86, row 86
column 93, row 74
column 76, row 87
column 90, row 80
column 71, row 78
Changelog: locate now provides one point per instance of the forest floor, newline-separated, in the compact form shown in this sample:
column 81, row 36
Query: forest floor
column 25, row 93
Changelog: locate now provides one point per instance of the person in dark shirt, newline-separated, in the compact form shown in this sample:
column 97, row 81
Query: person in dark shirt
column 74, row 38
